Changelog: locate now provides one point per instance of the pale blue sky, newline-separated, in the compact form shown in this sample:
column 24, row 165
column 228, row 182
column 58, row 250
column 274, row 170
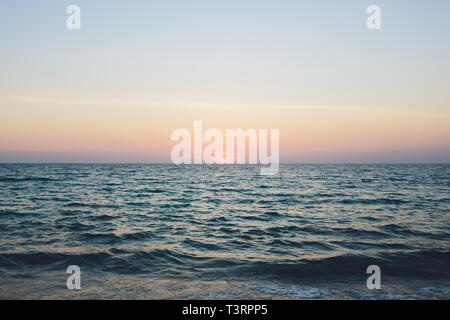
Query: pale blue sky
column 284, row 51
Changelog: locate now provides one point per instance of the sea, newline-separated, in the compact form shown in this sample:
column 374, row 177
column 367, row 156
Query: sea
column 161, row 231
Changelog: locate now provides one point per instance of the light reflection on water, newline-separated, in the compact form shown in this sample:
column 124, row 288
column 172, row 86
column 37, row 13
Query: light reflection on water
column 217, row 223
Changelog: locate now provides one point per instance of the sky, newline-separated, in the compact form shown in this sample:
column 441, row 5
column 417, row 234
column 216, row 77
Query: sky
column 116, row 89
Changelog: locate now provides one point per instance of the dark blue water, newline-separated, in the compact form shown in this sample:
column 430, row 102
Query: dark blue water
column 165, row 231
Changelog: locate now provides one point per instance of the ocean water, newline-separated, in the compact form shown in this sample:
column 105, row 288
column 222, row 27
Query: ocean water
column 205, row 232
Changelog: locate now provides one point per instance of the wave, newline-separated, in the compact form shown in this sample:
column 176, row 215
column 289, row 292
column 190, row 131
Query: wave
column 25, row 179
column 421, row 264
column 374, row 201
column 415, row 264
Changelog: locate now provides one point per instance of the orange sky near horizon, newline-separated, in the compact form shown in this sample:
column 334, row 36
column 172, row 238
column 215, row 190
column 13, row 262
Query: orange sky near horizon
column 143, row 129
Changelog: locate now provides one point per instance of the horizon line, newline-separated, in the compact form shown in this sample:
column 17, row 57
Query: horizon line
column 223, row 164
